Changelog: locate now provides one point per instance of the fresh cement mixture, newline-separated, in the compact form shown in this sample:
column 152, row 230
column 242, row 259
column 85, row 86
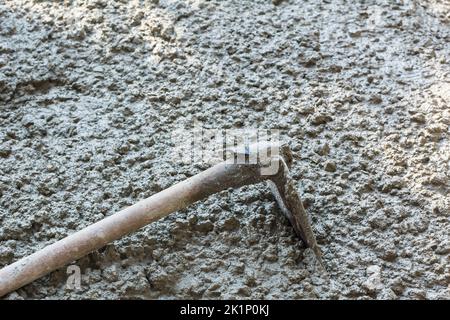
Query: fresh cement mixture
column 90, row 92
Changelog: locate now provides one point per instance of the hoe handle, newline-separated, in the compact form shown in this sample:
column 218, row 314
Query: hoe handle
column 97, row 235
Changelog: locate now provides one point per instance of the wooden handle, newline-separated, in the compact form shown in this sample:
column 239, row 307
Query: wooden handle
column 97, row 235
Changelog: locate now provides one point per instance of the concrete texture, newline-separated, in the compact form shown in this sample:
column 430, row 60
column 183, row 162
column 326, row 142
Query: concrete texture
column 91, row 90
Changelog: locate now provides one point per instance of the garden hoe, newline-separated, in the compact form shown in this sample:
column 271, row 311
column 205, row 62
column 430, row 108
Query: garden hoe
column 224, row 175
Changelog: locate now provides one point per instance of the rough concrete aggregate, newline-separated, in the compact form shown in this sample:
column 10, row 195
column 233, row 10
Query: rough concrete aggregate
column 90, row 91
